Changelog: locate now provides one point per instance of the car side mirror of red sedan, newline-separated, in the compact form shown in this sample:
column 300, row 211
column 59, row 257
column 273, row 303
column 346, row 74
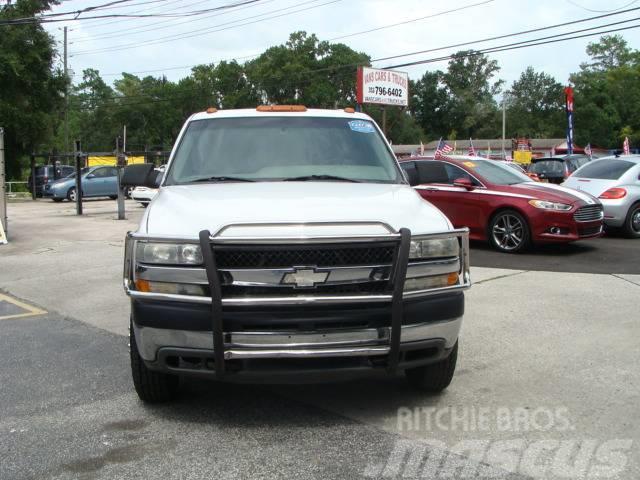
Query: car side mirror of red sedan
column 464, row 183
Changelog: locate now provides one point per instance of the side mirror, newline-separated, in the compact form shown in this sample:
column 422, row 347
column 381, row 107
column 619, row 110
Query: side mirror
column 154, row 179
column 90, row 176
column 464, row 183
column 138, row 175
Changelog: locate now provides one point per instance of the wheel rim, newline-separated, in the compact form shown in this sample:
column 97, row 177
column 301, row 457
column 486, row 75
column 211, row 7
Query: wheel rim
column 72, row 195
column 508, row 232
column 635, row 221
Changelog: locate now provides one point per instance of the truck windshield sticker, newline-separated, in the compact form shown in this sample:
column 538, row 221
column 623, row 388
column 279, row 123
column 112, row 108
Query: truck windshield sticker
column 361, row 126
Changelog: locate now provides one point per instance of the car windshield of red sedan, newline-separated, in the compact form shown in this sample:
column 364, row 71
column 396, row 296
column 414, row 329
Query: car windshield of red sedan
column 495, row 173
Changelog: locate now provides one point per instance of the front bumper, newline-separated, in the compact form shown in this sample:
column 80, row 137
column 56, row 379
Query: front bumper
column 249, row 354
column 561, row 227
column 219, row 335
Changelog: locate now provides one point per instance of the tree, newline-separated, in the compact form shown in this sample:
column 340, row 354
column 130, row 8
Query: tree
column 535, row 106
column 607, row 93
column 308, row 71
column 471, row 93
column 32, row 89
column 612, row 51
column 430, row 104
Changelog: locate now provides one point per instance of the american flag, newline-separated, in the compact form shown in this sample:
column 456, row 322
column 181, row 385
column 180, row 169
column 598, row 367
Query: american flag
column 587, row 149
column 442, row 149
column 625, row 146
column 472, row 150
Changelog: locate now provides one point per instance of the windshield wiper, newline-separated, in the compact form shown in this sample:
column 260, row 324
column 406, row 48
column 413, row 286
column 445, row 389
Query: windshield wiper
column 223, row 179
column 305, row 178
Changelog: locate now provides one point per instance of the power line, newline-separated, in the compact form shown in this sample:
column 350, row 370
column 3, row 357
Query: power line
column 483, row 40
column 135, row 31
column 515, row 46
column 171, row 38
column 46, row 19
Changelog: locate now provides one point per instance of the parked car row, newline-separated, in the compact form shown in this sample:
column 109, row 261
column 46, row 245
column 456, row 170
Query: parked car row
column 97, row 181
column 503, row 206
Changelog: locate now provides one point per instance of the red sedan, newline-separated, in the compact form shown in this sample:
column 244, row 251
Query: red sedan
column 502, row 205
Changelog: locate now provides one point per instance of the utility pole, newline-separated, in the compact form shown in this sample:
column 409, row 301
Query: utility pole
column 504, row 117
column 3, row 193
column 66, row 95
column 78, row 155
column 120, row 162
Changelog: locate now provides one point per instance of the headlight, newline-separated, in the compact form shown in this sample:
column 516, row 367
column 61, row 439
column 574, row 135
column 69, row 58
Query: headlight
column 442, row 247
column 543, row 204
column 169, row 253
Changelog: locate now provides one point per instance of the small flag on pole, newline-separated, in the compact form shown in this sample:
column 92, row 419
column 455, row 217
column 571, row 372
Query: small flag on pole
column 472, row 151
column 625, row 146
column 587, row 150
column 442, row 149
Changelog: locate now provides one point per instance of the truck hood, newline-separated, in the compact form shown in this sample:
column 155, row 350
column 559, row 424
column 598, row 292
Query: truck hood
column 184, row 210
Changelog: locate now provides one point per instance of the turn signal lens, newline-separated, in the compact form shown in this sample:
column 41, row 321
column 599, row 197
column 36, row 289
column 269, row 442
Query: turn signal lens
column 613, row 194
column 170, row 288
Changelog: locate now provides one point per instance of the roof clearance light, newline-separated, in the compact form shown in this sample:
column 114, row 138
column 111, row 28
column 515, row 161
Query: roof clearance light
column 212, row 110
column 350, row 110
column 613, row 193
column 281, row 108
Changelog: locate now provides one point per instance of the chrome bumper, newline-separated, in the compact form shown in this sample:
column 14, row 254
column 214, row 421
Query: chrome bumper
column 247, row 345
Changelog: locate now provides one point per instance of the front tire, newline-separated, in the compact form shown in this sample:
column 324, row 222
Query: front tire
column 632, row 222
column 509, row 232
column 151, row 387
column 71, row 194
column 434, row 377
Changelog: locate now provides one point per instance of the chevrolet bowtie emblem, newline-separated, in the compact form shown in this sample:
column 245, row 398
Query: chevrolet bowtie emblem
column 304, row 277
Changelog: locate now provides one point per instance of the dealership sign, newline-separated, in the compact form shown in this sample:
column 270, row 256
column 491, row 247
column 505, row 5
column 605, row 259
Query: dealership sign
column 384, row 87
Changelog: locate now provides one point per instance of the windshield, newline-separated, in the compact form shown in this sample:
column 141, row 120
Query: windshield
column 496, row 173
column 277, row 148
column 548, row 166
column 604, row 169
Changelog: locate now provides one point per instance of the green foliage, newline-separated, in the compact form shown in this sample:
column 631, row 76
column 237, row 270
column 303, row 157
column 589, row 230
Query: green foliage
column 30, row 90
column 535, row 106
column 607, row 94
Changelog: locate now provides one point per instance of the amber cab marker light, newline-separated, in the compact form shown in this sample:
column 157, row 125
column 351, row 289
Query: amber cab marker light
column 452, row 279
column 350, row 110
column 281, row 108
column 212, row 110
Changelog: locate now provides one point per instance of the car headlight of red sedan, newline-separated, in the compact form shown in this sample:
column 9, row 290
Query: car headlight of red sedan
column 544, row 205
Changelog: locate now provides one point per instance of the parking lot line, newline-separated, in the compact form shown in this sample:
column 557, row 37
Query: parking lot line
column 14, row 308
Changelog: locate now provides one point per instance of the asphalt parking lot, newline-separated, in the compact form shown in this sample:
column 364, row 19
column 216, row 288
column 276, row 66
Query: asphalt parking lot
column 548, row 361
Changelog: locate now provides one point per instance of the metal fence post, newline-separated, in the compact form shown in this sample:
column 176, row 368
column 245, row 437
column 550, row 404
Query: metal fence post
column 78, row 155
column 32, row 161
column 3, row 195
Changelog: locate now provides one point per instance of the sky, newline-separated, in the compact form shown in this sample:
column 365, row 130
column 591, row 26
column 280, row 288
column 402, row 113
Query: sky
column 154, row 44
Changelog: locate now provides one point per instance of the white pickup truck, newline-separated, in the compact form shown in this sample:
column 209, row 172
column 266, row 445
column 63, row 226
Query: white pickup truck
column 285, row 244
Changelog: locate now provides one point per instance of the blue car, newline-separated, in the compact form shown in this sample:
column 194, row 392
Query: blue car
column 95, row 181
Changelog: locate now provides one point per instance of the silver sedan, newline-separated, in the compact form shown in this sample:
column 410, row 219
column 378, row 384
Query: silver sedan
column 616, row 182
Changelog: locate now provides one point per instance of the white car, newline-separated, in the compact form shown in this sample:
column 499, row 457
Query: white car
column 144, row 195
column 285, row 241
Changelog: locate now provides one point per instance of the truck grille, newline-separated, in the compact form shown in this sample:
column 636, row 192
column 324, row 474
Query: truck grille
column 589, row 213
column 295, row 255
